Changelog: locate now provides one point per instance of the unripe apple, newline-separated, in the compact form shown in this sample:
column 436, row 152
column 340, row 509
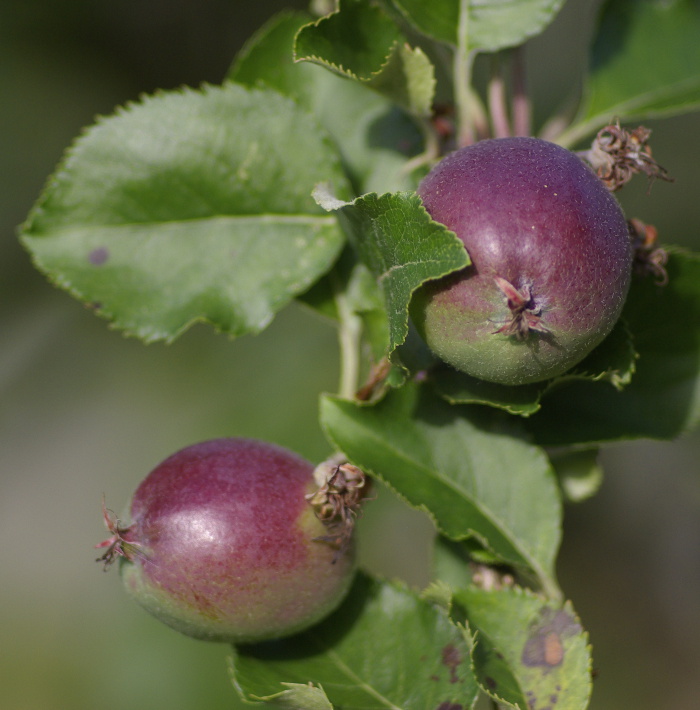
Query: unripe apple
column 223, row 544
column 551, row 261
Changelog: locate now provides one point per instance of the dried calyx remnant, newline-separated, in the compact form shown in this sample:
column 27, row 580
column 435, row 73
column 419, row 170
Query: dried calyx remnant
column 338, row 500
column 118, row 545
column 617, row 154
column 525, row 314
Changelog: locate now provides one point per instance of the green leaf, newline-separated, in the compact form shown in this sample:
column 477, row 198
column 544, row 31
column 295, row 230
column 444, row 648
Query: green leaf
column 374, row 137
column 190, row 206
column 408, row 79
column 356, row 657
column 450, row 566
column 613, row 361
column 361, row 42
column 490, row 25
column 460, row 388
column 466, row 466
column 528, row 653
column 400, row 244
column 354, row 41
column 645, row 62
column 299, row 697
column 663, row 399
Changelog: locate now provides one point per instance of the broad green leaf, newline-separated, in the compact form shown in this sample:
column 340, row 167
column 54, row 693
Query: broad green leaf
column 528, row 653
column 613, row 361
column 467, row 467
column 190, row 206
column 645, row 62
column 663, row 399
column 400, row 244
column 490, row 25
column 361, row 42
column 374, row 137
column 384, row 649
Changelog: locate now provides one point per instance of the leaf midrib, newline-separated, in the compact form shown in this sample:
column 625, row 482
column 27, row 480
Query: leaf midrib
column 507, row 533
column 237, row 219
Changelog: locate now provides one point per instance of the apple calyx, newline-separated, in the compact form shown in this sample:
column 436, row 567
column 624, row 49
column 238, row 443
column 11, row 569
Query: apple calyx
column 525, row 314
column 118, row 545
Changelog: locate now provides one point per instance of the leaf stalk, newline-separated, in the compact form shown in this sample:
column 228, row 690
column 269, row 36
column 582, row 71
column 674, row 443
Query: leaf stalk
column 498, row 110
column 463, row 61
column 522, row 109
column 349, row 338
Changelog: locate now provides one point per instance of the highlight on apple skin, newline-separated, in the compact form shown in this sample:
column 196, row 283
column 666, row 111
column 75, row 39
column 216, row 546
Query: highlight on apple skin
column 551, row 261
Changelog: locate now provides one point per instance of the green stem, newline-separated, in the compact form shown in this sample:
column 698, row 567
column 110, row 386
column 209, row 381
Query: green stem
column 462, row 79
column 349, row 337
column 430, row 153
column 500, row 123
column 522, row 111
column 573, row 134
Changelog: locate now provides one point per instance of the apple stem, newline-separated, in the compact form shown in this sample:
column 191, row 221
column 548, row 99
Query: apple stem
column 430, row 153
column 522, row 110
column 462, row 79
column 349, row 336
column 500, row 123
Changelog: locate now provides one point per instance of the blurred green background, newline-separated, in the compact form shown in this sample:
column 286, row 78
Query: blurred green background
column 85, row 412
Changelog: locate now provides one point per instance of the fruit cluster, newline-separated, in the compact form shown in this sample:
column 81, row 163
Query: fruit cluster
column 238, row 540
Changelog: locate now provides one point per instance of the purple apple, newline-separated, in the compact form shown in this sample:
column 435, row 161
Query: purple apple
column 223, row 544
column 551, row 261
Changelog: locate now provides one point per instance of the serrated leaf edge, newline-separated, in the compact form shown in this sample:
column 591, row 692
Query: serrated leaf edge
column 548, row 583
column 145, row 334
column 566, row 605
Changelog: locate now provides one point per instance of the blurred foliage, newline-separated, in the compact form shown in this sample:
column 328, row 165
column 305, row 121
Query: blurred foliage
column 84, row 411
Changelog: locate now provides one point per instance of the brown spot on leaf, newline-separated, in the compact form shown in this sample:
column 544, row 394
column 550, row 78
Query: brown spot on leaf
column 447, row 705
column 98, row 256
column 451, row 657
column 545, row 644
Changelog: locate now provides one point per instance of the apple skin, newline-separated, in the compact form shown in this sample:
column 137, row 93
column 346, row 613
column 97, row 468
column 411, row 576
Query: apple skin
column 533, row 214
column 222, row 548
